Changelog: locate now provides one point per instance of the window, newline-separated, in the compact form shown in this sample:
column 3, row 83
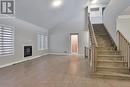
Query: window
column 6, row 41
column 40, row 41
column 46, row 42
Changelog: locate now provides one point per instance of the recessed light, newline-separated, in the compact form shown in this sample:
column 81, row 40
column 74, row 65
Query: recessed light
column 94, row 1
column 56, row 3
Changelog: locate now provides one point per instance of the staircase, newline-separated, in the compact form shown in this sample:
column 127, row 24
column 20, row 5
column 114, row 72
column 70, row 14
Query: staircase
column 109, row 62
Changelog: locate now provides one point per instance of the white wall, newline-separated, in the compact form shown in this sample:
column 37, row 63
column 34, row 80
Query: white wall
column 59, row 40
column 111, row 13
column 25, row 34
column 123, row 25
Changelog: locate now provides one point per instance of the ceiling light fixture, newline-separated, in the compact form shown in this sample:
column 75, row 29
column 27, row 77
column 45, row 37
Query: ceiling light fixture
column 94, row 1
column 56, row 3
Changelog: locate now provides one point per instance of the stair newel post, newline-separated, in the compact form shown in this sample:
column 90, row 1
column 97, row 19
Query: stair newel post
column 93, row 66
column 129, row 56
column 95, row 58
column 118, row 41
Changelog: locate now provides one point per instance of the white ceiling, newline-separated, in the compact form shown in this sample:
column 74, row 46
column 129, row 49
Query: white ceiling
column 41, row 13
column 102, row 2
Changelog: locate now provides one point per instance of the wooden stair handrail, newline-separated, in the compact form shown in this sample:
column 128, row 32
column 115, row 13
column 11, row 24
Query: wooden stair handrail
column 123, row 36
column 93, row 47
column 93, row 34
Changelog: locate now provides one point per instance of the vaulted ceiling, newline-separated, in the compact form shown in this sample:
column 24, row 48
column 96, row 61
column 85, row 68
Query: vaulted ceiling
column 99, row 2
column 41, row 13
column 104, row 2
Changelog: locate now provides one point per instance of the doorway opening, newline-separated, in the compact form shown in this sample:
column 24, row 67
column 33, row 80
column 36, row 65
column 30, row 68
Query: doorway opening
column 74, row 44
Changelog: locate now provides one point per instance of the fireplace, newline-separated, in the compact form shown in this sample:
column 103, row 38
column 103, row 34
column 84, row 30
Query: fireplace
column 27, row 51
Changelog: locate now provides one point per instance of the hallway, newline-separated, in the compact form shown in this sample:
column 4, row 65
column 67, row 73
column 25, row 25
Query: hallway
column 54, row 71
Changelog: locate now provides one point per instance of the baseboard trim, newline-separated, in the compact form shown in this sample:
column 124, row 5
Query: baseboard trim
column 59, row 54
column 24, row 59
column 66, row 54
column 31, row 58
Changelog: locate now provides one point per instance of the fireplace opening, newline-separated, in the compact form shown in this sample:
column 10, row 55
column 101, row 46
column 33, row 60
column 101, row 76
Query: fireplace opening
column 27, row 51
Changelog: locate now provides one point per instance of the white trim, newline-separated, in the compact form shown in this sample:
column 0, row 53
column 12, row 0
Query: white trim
column 66, row 54
column 30, row 58
column 77, row 54
column 23, row 60
column 60, row 54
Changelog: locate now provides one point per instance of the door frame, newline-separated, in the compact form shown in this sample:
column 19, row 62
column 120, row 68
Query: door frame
column 77, row 44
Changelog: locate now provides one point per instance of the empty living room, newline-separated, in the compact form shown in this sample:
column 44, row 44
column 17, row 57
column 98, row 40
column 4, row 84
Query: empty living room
column 64, row 43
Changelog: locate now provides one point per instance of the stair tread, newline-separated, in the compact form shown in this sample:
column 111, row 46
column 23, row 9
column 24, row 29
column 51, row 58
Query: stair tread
column 112, row 74
column 104, row 47
column 111, row 61
column 111, row 67
column 108, row 51
column 110, row 48
column 110, row 55
column 100, row 34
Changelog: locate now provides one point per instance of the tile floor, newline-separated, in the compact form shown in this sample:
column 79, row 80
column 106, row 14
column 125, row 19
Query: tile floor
column 54, row 71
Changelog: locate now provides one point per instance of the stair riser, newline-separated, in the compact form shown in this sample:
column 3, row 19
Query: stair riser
column 110, row 58
column 105, row 48
column 101, row 34
column 105, row 45
column 103, row 42
column 111, row 64
column 119, row 70
column 103, row 38
column 107, row 53
column 98, row 29
column 111, row 77
column 100, row 41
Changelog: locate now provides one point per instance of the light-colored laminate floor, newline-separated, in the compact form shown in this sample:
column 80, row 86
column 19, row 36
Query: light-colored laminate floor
column 54, row 71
